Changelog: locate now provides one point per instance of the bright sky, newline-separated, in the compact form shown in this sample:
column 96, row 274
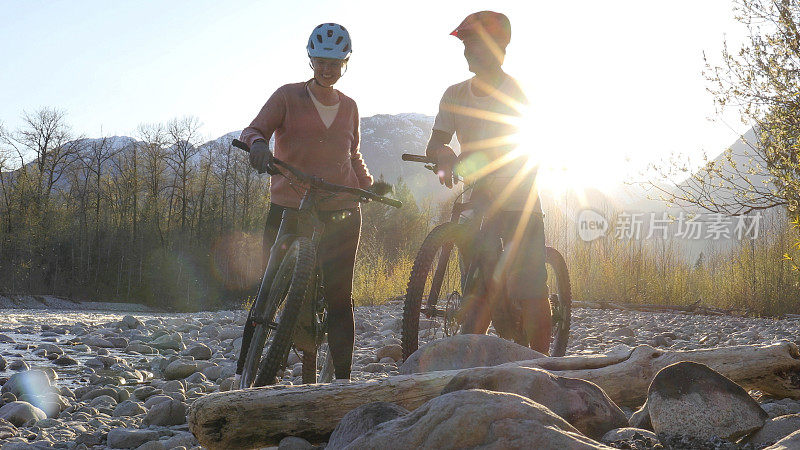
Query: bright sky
column 607, row 80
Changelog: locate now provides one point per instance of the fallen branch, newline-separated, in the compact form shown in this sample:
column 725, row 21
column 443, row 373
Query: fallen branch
column 694, row 308
column 262, row 416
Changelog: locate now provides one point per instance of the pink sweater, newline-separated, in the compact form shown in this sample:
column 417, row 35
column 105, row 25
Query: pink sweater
column 302, row 140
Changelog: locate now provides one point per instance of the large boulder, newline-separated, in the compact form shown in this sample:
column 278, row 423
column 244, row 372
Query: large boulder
column 693, row 400
column 362, row 419
column 476, row 418
column 463, row 351
column 790, row 442
column 581, row 403
column 18, row 413
column 775, row 430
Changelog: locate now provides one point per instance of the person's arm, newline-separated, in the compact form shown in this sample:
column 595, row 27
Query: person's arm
column 257, row 135
column 356, row 159
column 439, row 140
column 443, row 129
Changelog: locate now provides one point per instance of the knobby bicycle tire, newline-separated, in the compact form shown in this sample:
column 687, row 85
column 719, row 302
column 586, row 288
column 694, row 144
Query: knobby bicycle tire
column 561, row 304
column 309, row 338
column 442, row 235
column 264, row 309
column 301, row 259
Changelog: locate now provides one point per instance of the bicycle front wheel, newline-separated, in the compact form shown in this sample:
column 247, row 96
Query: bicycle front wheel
column 437, row 278
column 560, row 296
column 262, row 314
column 290, row 287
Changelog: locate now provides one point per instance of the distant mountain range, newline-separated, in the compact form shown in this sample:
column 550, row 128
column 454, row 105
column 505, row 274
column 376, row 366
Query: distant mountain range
column 384, row 138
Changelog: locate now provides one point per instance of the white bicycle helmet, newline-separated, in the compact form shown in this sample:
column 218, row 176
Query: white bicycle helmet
column 329, row 40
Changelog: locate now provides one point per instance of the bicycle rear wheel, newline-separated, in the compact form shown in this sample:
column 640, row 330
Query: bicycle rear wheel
column 560, row 296
column 291, row 292
column 437, row 278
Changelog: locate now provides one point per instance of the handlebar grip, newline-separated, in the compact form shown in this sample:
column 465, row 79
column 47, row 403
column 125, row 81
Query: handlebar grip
column 239, row 144
column 417, row 158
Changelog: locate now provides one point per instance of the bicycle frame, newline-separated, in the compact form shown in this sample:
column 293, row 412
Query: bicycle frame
column 308, row 225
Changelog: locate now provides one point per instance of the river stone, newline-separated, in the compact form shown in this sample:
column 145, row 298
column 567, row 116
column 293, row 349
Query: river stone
column 94, row 393
column 131, row 322
column 393, row 351
column 199, row 351
column 97, row 341
column 775, row 430
column 196, row 378
column 296, row 443
column 180, row 369
column 693, row 400
column 118, row 341
column 7, row 429
column 641, row 419
column 130, row 437
column 138, row 347
column 463, row 351
column 581, row 403
column 156, row 399
column 19, row 365
column 172, row 341
column 168, row 412
column 18, row 413
column 213, row 372
column 143, row 392
column 51, row 403
column 790, row 442
column 128, row 408
column 32, row 382
column 476, row 418
column 65, row 360
column 180, row 439
column 630, row 438
column 362, row 419
column 50, row 348
column 3, row 363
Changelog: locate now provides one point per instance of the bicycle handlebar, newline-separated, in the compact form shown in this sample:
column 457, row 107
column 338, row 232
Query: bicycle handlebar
column 324, row 185
column 418, row 158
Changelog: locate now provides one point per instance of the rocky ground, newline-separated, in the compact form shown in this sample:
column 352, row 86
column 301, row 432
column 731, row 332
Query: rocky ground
column 125, row 381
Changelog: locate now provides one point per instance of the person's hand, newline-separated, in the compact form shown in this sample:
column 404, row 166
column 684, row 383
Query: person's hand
column 445, row 162
column 380, row 188
column 261, row 157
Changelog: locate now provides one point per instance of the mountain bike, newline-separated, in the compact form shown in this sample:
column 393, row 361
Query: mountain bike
column 289, row 309
column 453, row 274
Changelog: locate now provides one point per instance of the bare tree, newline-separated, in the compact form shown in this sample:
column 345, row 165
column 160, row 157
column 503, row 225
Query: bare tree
column 46, row 136
column 183, row 135
column 761, row 80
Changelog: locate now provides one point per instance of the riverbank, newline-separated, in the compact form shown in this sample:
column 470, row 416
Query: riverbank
column 49, row 302
column 120, row 380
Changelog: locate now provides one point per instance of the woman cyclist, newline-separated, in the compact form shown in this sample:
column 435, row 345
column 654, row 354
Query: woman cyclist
column 316, row 129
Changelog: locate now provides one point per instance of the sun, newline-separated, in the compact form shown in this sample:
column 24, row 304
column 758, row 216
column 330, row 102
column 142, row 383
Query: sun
column 563, row 163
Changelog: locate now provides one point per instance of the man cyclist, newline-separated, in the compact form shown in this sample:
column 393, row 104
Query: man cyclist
column 483, row 112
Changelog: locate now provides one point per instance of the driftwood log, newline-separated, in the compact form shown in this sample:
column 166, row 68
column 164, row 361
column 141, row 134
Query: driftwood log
column 262, row 416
